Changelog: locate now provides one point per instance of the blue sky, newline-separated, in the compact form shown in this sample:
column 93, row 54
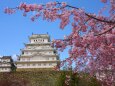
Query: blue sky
column 15, row 29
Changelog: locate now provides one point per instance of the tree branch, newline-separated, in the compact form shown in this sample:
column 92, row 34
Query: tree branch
column 91, row 16
column 105, row 31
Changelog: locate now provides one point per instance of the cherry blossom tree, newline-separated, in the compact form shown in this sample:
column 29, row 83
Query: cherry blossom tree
column 92, row 40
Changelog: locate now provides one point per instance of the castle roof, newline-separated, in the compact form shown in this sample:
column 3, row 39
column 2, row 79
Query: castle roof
column 25, row 56
column 37, row 50
column 6, row 57
column 39, row 36
column 35, row 44
column 38, row 61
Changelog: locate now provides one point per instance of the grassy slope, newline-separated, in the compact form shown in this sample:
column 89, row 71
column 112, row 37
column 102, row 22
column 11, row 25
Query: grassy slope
column 37, row 78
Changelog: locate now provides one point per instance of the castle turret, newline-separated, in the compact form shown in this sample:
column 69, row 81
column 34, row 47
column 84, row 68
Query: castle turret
column 6, row 64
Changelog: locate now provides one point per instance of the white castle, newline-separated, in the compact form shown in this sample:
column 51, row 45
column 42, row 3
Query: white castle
column 38, row 54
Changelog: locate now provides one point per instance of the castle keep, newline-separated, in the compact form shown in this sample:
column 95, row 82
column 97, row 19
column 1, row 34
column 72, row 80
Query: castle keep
column 38, row 54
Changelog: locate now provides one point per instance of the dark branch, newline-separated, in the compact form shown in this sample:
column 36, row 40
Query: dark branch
column 110, row 22
column 106, row 31
column 91, row 16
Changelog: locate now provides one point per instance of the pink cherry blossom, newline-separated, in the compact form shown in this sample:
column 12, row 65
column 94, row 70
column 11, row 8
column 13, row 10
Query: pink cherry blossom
column 9, row 11
column 64, row 4
column 104, row 1
column 40, row 7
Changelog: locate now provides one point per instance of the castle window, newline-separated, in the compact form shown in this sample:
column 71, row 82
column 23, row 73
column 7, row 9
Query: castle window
column 47, row 58
column 23, row 59
column 28, row 64
column 28, row 59
column 33, row 64
column 54, row 51
column 22, row 64
column 22, row 52
column 52, row 58
column 44, row 64
column 39, row 64
column 50, row 64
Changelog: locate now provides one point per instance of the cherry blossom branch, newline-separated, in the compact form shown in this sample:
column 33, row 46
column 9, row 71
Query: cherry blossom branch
column 90, row 15
column 87, row 14
column 106, row 31
column 110, row 22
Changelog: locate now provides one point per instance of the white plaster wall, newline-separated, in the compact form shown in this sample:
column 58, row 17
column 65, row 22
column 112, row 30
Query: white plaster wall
column 38, row 58
column 24, row 59
column 37, row 65
column 52, row 58
column 39, row 40
column 48, row 53
column 3, row 64
column 5, row 60
column 44, row 52
column 32, row 41
column 39, row 47
column 28, row 53
column 45, row 40
column 5, row 69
